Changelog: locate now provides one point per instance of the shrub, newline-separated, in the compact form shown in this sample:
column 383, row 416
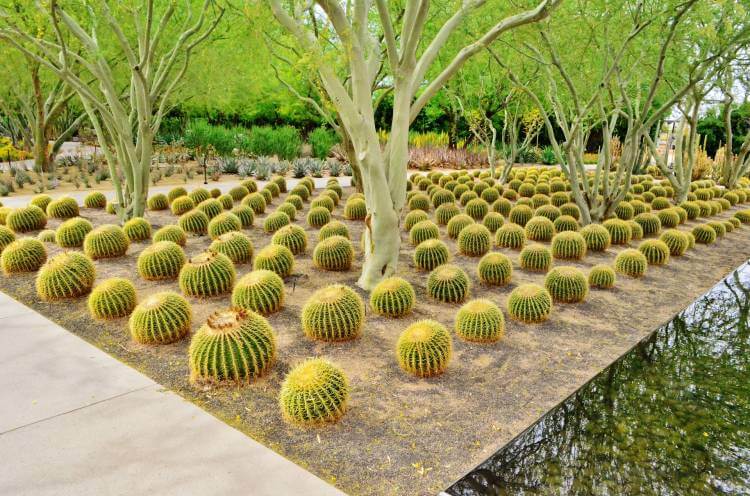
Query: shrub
column 529, row 303
column 137, row 229
column 113, row 298
column 333, row 313
column 161, row 319
column 66, row 275
column 539, row 229
column 474, row 240
column 62, row 208
column 250, row 339
column 619, row 231
column 568, row 245
column 335, row 253
column 457, row 224
column 536, row 258
column 510, row 236
column 171, row 233
column 23, row 255
column 704, row 234
column 158, row 202
column 261, row 291
column 631, row 263
column 276, row 258
column 520, row 214
column 480, row 321
column 94, row 199
column 424, row 348
column 106, row 241
column 194, row 222
column 448, row 283
column 283, row 142
column 25, row 219
column 393, row 297
column 430, row 254
column 413, row 218
column 676, row 241
column 208, row 274
column 315, row 391
column 355, row 209
column 70, row 234
column 235, row 245
column 567, row 285
column 162, row 260
column 602, row 277
column 649, row 222
column 596, row 236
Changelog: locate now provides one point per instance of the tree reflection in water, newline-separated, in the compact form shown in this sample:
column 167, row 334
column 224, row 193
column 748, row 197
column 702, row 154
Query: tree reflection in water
column 672, row 416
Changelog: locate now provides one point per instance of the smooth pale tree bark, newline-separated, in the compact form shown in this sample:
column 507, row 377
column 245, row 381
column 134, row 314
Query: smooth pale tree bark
column 734, row 166
column 360, row 44
column 125, row 122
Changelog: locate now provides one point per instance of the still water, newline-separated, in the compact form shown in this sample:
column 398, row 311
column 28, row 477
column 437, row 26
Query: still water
column 672, row 416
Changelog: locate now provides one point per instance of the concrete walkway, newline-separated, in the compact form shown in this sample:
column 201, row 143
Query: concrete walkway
column 75, row 421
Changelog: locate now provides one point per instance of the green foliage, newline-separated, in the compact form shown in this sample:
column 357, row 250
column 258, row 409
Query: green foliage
column 71, row 233
column 106, row 241
column 137, row 229
column 276, row 258
column 113, row 298
column 619, row 231
column 233, row 345
column 430, row 254
column 355, row 209
column 631, row 263
column 568, row 245
column 162, row 318
column 529, row 303
column 208, row 274
column 160, row 261
column 602, row 277
column 194, row 222
column 261, row 291
column 22, row 255
column 25, row 219
column 480, row 321
column 314, row 392
column 536, row 258
column 335, row 253
column 333, row 313
column 704, row 234
column 566, row 285
column 474, row 240
column 66, row 275
column 510, row 235
column 393, row 297
column 62, row 208
column 423, row 231
column 235, row 245
column 158, row 202
column 597, row 237
column 424, row 348
column 283, row 142
column 448, row 283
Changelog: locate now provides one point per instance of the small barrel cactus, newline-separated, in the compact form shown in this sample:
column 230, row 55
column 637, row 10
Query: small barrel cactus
column 162, row 318
column 442, row 197
column 419, row 201
column 239, row 192
column 570, row 209
column 520, row 214
column 66, row 275
column 256, row 201
column 171, row 233
column 275, row 221
column 245, row 214
column 493, row 221
column 477, row 209
column 211, row 207
column 495, row 269
column 23, row 255
column 718, row 227
column 631, row 263
column 318, row 217
column 276, row 258
column 199, row 195
column 223, row 223
column 41, row 201
column 597, row 237
column 314, row 392
column 393, row 297
column 424, row 348
column 619, row 231
column 457, row 224
column 602, row 276
column 676, row 240
column 137, row 229
column 106, row 241
column 62, row 208
column 292, row 237
column 413, row 218
column 567, row 285
column 448, row 283
column 333, row 313
column 668, row 217
column 655, row 251
column 261, row 291
column 480, row 321
column 295, row 200
column 333, row 228
column 7, row 237
column 510, row 235
column 529, row 303
column 423, row 231
column 743, row 216
column 95, row 200
column 113, row 298
column 161, row 261
column 45, row 236
column 355, row 209
column 536, row 258
column 624, row 211
column 175, row 193
column 158, row 202
column 226, row 201
column 430, row 254
column 25, row 219
column 71, row 233
column 208, row 274
column 568, row 245
column 551, row 212
column 289, row 210
column 335, row 253
column 182, row 205
column 194, row 222
column 649, row 222
column 704, row 234
column 474, row 240
column 539, row 229
column 636, row 230
column 232, row 346
column 235, row 245
column 445, row 212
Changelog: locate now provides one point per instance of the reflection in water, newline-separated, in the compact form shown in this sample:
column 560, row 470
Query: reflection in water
column 672, row 416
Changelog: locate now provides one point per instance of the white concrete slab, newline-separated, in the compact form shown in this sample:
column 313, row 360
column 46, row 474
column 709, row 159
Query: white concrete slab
column 11, row 308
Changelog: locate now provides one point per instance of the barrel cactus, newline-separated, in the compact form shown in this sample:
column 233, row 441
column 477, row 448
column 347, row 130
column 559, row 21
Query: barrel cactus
column 457, row 224
column 413, row 218
column 551, row 212
column 256, row 201
column 493, row 221
column 113, row 298
column 570, row 209
column 208, row 274
column 223, row 223
column 300, row 191
column 631, row 263
column 161, row 261
column 529, row 303
column 162, row 318
column 295, row 200
column 430, row 254
column 23, row 255
column 477, row 209
column 495, row 269
column 234, row 346
column 172, row 233
column 25, row 219
column 424, row 348
column 624, row 211
column 333, row 313
column 619, row 231
column 106, row 241
column 718, row 227
column 71, row 233
column 95, row 200
column 655, row 251
column 536, row 258
column 520, row 214
column 63, row 208
column 318, row 217
column 41, row 201
column 45, row 236
column 419, row 201
column 7, row 237
column 194, row 222
column 158, row 202
column 293, row 237
column 314, row 392
column 510, row 235
column 235, row 245
column 137, row 229
column 334, row 228
column 676, row 240
column 276, row 258
column 261, row 291
column 597, row 237
column 539, row 229
column 393, row 297
column 423, row 231
column 355, row 209
column 239, row 192
column 566, row 285
column 182, row 205
column 445, row 212
column 448, row 283
column 636, row 230
column 649, row 222
column 668, row 217
column 226, row 201
column 743, row 216
column 175, row 193
column 199, row 195
column 66, row 275
column 480, row 321
column 335, row 253
column 474, row 240
column 602, row 276
column 211, row 207
column 245, row 214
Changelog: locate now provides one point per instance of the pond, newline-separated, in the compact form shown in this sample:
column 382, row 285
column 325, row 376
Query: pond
column 672, row 416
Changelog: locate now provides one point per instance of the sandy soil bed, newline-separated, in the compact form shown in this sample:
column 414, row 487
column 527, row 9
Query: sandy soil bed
column 404, row 435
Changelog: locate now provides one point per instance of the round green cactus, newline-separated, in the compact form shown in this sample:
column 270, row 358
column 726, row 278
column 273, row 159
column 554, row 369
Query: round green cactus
column 199, row 195
column 292, row 237
column 480, row 321
column 493, row 221
column 649, row 222
column 233, row 345
column 510, row 236
column 162, row 318
column 137, row 229
column 226, row 201
column 423, row 231
column 624, row 211
column 718, row 227
column 570, row 209
column 209, row 274
column 267, row 193
column 245, row 214
column 4, row 211
column 256, row 201
column 539, row 229
column 45, row 236
column 743, row 216
column 477, row 209
column 295, row 200
column 175, row 193
column 466, row 197
column 274, row 188
column 333, row 313
column 333, row 194
column 111, row 208
column 529, row 303
column 62, row 208
column 430, row 254
column 333, row 228
column 7, row 237
column 676, row 240
column 276, row 258
column 261, row 291
column 235, row 245
column 631, row 263
column 158, row 202
column 419, row 201
column 335, row 253
column 318, row 217
column 445, row 212
column 448, row 283
column 535, row 258
column 23, row 255
column 566, row 285
column 314, row 392
column 172, row 233
column 211, row 207
column 113, row 298
column 413, row 218
column 323, row 201
column 106, row 241
column 424, row 348
column 300, row 191
column 94, row 199
column 597, row 237
column 691, row 208
column 72, row 232
column 41, row 201
column 704, row 234
column 668, row 217
column 393, row 297
column 182, row 205
column 288, row 209
column 239, row 192
column 520, row 214
column 551, row 212
column 194, row 222
column 602, row 276
column 161, row 261
column 66, row 275
column 619, row 231
column 457, row 224
column 442, row 197
column 25, row 219
column 636, row 230
column 655, row 251
column 495, row 269
column 223, row 223
column 735, row 222
column 568, row 245
column 355, row 209
column 474, row 240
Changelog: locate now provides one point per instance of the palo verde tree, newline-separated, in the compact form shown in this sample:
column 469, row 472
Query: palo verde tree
column 368, row 35
column 734, row 166
column 153, row 41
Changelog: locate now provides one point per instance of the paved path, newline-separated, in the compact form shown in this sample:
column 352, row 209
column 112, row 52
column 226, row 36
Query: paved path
column 75, row 421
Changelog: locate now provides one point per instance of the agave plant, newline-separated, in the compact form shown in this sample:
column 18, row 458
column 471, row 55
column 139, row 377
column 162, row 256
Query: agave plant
column 314, row 167
column 246, row 167
column 299, row 168
column 348, row 170
column 263, row 168
column 334, row 167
